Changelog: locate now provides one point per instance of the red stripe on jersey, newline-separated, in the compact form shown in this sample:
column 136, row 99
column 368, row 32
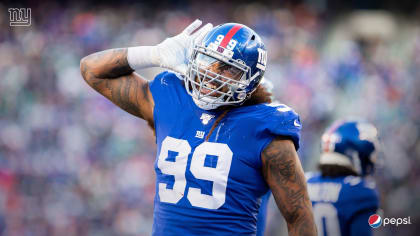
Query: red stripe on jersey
column 229, row 35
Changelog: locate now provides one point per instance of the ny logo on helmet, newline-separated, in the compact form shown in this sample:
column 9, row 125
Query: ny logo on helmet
column 262, row 59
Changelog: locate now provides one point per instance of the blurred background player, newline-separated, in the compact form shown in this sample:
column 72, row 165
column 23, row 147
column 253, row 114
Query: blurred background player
column 342, row 197
column 221, row 145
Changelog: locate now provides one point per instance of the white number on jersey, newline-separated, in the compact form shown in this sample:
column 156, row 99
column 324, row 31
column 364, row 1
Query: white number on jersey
column 218, row 175
column 177, row 168
column 327, row 212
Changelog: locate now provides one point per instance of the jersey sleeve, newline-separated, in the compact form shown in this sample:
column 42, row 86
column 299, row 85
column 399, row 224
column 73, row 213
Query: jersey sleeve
column 169, row 97
column 164, row 89
column 167, row 91
column 282, row 120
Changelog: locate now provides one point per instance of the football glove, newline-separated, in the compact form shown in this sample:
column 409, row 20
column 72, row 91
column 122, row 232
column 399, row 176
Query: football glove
column 173, row 53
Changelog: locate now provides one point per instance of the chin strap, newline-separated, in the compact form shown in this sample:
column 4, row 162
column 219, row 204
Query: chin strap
column 205, row 105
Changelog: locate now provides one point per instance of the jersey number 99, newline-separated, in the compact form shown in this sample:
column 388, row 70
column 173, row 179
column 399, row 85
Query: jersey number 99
column 218, row 175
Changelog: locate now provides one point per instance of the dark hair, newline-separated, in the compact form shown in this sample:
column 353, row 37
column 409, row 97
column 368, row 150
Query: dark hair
column 329, row 170
column 261, row 95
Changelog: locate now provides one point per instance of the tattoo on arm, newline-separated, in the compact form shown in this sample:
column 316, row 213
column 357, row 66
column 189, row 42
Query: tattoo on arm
column 109, row 73
column 283, row 172
column 108, row 64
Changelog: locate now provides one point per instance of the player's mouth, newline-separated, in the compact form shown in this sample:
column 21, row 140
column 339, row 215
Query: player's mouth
column 209, row 89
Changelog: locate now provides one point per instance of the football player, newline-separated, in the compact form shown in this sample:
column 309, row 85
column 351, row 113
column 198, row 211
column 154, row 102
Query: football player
column 220, row 145
column 342, row 196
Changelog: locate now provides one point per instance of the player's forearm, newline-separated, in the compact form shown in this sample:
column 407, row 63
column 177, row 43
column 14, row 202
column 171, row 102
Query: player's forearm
column 292, row 199
column 106, row 64
column 302, row 225
column 283, row 173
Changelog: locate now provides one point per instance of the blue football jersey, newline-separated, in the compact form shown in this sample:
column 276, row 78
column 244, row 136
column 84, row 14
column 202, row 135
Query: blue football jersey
column 211, row 187
column 262, row 214
column 342, row 205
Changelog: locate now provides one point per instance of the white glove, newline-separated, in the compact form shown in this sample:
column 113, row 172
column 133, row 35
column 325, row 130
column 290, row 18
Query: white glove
column 173, row 53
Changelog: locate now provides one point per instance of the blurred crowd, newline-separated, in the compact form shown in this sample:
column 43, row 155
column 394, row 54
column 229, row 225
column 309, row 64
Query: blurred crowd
column 72, row 163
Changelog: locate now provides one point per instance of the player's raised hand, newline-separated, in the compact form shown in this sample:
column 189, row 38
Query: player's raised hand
column 174, row 52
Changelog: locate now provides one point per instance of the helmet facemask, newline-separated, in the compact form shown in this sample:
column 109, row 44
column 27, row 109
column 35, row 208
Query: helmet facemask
column 213, row 80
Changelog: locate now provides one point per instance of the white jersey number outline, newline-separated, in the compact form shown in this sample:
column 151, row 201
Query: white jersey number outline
column 218, row 175
column 328, row 212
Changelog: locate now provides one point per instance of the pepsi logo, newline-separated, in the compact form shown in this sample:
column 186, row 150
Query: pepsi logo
column 375, row 221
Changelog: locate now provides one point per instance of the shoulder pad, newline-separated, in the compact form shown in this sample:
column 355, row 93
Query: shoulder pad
column 281, row 120
column 357, row 189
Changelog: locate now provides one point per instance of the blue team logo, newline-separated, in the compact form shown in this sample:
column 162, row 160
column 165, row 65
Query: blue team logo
column 375, row 221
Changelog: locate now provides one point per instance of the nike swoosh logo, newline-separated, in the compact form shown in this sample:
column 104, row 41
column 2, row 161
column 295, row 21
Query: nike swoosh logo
column 296, row 123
